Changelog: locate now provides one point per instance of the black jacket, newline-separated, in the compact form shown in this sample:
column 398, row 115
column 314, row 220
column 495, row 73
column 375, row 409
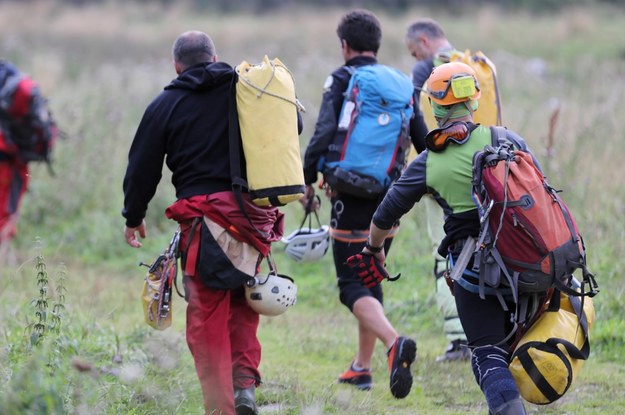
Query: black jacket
column 188, row 124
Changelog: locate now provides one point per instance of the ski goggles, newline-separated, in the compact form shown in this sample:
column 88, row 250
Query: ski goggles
column 437, row 140
column 462, row 85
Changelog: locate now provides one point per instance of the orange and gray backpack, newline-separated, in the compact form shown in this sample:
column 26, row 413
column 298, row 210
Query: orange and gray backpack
column 28, row 129
column 527, row 231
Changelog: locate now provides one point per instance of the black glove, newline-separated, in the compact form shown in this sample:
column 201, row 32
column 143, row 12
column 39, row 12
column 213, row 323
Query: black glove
column 369, row 269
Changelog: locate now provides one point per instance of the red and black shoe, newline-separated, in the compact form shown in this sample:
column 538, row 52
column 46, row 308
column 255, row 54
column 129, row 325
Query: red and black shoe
column 359, row 378
column 400, row 356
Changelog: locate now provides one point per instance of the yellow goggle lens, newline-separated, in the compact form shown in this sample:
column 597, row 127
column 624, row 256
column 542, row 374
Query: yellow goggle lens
column 463, row 86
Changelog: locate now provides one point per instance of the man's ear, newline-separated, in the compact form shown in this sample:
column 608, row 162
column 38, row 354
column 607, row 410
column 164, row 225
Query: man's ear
column 346, row 49
column 215, row 58
column 177, row 68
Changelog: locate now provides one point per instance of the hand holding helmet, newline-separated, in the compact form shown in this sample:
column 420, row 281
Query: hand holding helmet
column 308, row 244
column 310, row 201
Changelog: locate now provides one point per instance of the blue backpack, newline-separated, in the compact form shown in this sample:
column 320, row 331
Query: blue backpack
column 369, row 149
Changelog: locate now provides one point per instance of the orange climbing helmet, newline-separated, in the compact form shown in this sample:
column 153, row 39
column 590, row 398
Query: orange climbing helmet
column 451, row 83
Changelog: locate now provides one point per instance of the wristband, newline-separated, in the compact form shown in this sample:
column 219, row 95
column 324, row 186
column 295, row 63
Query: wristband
column 374, row 249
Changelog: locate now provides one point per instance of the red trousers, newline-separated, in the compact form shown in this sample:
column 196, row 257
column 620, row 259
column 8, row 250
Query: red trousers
column 221, row 334
column 13, row 184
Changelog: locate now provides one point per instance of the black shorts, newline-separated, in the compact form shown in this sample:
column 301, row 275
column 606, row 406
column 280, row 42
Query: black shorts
column 352, row 214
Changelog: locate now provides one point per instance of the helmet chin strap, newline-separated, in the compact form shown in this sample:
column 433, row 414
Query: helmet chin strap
column 443, row 121
column 469, row 107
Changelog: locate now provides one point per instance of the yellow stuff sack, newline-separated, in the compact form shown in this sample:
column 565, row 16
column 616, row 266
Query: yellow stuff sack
column 156, row 295
column 267, row 117
column 551, row 353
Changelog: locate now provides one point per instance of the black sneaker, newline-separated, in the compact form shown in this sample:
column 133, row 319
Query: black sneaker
column 245, row 401
column 359, row 378
column 456, row 350
column 400, row 356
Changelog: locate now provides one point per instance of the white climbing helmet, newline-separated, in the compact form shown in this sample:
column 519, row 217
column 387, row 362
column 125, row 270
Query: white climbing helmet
column 307, row 244
column 271, row 295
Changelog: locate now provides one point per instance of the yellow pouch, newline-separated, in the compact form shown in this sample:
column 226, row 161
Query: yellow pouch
column 550, row 355
column 156, row 295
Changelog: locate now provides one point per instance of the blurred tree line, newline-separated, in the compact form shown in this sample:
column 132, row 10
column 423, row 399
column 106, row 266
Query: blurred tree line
column 261, row 6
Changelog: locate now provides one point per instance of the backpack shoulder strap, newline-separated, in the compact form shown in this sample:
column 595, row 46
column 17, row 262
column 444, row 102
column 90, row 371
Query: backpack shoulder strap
column 498, row 135
column 234, row 134
column 350, row 69
column 444, row 56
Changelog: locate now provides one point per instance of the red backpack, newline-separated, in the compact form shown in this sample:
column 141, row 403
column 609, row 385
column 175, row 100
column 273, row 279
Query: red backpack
column 527, row 231
column 26, row 124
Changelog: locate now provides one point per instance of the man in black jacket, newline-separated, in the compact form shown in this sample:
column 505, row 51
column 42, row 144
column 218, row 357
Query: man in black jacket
column 187, row 127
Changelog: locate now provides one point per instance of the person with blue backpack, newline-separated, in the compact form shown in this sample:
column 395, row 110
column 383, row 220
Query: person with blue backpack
column 360, row 142
column 445, row 171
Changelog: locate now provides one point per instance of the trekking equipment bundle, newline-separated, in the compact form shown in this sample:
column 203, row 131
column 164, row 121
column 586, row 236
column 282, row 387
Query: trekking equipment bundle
column 527, row 232
column 551, row 353
column 26, row 122
column 369, row 150
column 264, row 123
column 156, row 295
column 488, row 111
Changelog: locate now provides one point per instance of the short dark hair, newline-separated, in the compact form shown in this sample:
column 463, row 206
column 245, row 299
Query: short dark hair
column 361, row 30
column 192, row 48
column 428, row 27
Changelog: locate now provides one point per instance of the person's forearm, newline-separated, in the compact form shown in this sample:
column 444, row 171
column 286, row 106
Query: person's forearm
column 377, row 236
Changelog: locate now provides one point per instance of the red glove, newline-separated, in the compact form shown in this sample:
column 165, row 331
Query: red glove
column 369, row 269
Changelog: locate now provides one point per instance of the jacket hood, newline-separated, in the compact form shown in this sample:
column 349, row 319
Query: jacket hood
column 203, row 76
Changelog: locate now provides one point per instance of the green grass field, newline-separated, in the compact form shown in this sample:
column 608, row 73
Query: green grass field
column 101, row 65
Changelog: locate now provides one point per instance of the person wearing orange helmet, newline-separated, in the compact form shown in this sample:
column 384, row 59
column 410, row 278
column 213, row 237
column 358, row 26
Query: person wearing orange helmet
column 444, row 171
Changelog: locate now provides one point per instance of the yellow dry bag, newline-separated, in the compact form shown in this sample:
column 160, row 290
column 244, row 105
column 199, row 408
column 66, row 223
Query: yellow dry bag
column 551, row 353
column 266, row 107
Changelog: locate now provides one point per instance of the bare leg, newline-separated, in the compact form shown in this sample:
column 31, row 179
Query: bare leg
column 372, row 325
